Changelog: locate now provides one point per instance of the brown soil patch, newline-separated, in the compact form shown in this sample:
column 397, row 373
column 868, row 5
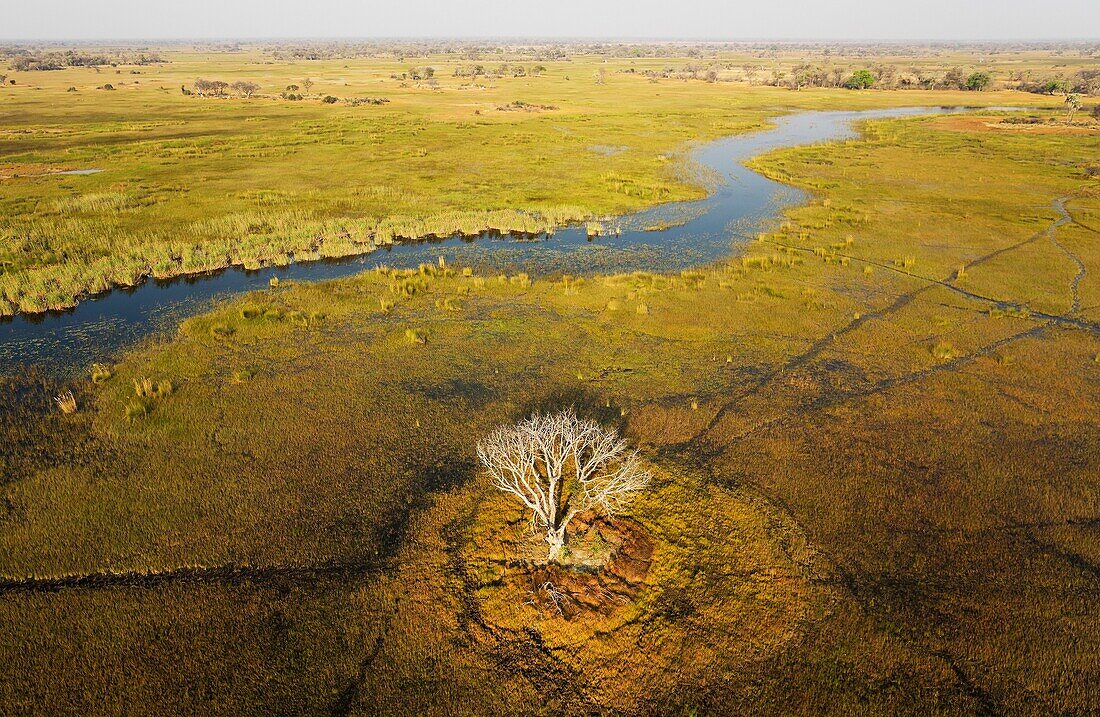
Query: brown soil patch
column 961, row 123
column 595, row 578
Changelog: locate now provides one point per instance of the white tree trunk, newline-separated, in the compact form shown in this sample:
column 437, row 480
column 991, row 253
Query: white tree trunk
column 555, row 538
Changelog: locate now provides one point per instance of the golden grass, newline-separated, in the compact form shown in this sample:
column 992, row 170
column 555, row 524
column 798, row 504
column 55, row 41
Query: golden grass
column 845, row 521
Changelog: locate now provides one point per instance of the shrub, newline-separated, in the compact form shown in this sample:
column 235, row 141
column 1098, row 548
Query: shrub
column 1045, row 87
column 330, row 100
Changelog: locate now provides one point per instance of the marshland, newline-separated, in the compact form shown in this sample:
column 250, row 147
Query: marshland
column 822, row 321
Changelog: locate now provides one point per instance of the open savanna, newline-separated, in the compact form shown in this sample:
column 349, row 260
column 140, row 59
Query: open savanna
column 193, row 184
column 874, row 434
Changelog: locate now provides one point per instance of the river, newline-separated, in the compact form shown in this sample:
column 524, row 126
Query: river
column 741, row 204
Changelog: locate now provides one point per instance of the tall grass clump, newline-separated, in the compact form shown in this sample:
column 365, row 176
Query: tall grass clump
column 66, row 402
column 945, row 351
column 101, row 373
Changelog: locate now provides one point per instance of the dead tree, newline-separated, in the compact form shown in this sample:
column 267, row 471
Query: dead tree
column 558, row 466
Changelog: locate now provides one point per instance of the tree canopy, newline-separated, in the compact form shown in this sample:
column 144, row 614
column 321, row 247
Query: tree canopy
column 860, row 80
column 978, row 81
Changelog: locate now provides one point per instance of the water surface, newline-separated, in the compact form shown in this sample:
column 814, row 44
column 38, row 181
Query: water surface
column 740, row 205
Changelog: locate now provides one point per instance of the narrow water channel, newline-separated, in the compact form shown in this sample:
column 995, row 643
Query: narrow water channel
column 741, row 203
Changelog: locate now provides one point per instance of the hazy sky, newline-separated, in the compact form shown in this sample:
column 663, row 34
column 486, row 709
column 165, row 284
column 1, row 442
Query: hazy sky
column 714, row 19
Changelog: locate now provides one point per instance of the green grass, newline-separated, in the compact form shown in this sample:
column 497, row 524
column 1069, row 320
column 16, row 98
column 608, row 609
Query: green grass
column 197, row 184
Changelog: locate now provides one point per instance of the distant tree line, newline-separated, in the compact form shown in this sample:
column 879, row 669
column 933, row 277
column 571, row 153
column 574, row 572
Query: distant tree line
column 220, row 88
column 356, row 101
column 563, row 50
column 245, row 89
column 501, row 70
column 473, row 51
column 26, row 61
column 876, row 75
column 1084, row 82
column 416, row 74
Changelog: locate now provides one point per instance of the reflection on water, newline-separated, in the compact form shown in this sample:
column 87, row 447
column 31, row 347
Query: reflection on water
column 667, row 238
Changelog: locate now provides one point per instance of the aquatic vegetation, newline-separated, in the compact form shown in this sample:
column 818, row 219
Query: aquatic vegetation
column 101, row 373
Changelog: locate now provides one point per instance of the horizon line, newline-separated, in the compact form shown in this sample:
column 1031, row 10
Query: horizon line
column 556, row 38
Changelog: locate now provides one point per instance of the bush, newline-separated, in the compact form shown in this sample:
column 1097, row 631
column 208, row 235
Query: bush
column 330, row 100
column 1045, row 87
